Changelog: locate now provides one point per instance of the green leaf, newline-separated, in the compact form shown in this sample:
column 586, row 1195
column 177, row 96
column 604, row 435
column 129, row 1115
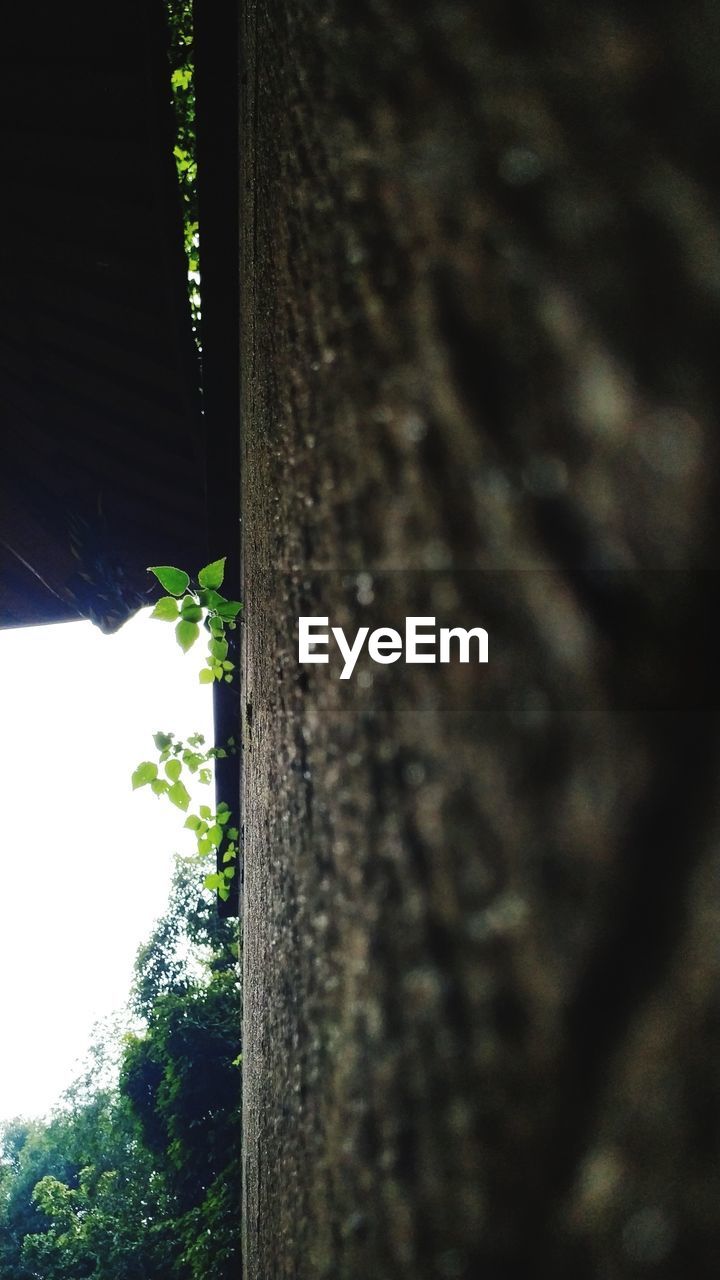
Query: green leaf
column 229, row 872
column 205, row 776
column 218, row 648
column 181, row 78
column 144, row 773
column 192, row 822
column 228, row 666
column 211, row 599
column 175, row 581
column 179, row 795
column 212, row 575
column 159, row 786
column 206, row 676
column 229, row 855
column 173, row 769
column 162, row 740
column 214, row 880
column 205, row 845
column 215, row 835
column 217, row 626
column 166, row 609
column 190, row 609
column 186, row 634
column 230, row 609
column 223, row 816
column 205, row 811
column 233, row 833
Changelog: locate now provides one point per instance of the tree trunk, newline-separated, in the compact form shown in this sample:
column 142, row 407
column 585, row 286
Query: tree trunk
column 481, row 284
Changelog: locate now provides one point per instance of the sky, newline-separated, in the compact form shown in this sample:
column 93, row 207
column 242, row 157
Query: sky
column 85, row 862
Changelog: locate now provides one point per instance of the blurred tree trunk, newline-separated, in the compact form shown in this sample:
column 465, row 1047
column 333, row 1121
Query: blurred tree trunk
column 481, row 287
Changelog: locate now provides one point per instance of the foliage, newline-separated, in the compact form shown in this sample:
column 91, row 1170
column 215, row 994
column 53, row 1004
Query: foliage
column 188, row 607
column 108, row 1218
column 191, row 939
column 214, row 833
column 140, row 1180
column 182, row 81
column 27, row 1154
column 179, row 1076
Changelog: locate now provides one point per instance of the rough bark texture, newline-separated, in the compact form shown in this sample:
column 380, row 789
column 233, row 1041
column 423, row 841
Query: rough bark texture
column 481, row 278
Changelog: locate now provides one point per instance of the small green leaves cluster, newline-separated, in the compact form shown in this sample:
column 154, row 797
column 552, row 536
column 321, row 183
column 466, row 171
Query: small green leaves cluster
column 214, row 834
column 182, row 83
column 189, row 606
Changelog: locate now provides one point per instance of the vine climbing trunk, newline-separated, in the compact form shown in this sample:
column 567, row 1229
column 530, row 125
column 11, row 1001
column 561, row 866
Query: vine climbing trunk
column 481, row 288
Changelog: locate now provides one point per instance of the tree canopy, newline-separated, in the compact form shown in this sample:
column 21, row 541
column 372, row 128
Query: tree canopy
column 137, row 1174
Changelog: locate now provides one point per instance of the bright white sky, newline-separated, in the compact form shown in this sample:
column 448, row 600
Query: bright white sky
column 85, row 862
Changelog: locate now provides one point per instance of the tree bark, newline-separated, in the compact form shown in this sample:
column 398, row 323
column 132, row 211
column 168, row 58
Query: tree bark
column 481, row 283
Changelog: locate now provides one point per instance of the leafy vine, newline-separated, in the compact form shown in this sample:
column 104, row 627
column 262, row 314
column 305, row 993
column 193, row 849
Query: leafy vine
column 192, row 606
